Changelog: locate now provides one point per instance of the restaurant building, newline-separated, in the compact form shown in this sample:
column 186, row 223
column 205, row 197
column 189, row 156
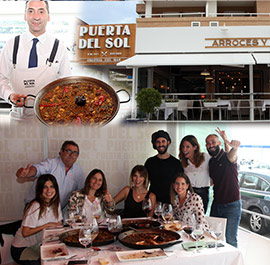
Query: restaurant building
column 212, row 54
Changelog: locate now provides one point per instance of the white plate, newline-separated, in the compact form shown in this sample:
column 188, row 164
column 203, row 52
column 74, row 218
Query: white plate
column 54, row 251
column 52, row 234
column 135, row 255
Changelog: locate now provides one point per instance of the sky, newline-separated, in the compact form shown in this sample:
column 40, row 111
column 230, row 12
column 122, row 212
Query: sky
column 108, row 12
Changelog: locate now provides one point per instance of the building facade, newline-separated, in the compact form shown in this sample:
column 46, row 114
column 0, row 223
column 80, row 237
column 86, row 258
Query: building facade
column 205, row 51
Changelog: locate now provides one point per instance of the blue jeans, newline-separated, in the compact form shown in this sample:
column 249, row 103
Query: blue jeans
column 232, row 212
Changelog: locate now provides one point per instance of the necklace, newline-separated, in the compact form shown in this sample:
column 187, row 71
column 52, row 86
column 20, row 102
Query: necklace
column 138, row 196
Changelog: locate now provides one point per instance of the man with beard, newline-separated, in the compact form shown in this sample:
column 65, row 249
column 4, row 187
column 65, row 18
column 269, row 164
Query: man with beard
column 223, row 171
column 162, row 167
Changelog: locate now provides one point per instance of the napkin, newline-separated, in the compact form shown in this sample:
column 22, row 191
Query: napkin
column 189, row 246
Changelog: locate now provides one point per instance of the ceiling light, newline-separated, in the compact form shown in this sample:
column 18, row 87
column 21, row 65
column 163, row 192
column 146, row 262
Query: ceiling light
column 205, row 72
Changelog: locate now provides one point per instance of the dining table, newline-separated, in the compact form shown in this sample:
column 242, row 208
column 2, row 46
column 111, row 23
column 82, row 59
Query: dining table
column 174, row 255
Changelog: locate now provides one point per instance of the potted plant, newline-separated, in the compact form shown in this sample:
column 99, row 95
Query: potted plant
column 148, row 99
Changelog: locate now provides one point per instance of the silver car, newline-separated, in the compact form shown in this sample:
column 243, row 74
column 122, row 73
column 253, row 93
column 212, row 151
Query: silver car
column 255, row 195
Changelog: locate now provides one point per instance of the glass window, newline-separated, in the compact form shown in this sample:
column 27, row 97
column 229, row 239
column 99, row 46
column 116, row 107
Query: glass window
column 249, row 182
column 264, row 186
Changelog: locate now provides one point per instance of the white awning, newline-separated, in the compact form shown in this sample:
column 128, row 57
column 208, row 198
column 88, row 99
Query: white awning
column 145, row 60
column 262, row 58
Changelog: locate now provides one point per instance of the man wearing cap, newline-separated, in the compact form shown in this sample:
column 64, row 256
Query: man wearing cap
column 162, row 167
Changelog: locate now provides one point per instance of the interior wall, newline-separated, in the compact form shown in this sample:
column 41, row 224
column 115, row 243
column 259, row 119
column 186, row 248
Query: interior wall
column 113, row 148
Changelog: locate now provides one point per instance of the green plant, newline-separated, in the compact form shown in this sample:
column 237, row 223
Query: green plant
column 148, row 99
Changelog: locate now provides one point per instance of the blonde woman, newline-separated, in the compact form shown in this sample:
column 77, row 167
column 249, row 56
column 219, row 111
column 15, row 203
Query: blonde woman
column 134, row 194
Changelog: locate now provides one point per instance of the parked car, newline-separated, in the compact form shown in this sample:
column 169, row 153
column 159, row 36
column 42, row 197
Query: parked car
column 255, row 195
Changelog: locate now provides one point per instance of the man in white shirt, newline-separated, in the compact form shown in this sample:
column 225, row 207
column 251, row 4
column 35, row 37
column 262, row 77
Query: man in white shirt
column 68, row 173
column 32, row 60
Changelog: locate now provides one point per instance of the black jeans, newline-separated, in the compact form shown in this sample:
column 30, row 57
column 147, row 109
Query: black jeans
column 16, row 254
column 204, row 193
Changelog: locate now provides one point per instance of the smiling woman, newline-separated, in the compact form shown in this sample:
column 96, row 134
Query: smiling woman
column 94, row 200
column 136, row 195
column 43, row 212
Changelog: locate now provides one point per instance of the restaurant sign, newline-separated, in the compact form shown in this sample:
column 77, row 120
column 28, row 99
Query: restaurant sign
column 238, row 42
column 105, row 44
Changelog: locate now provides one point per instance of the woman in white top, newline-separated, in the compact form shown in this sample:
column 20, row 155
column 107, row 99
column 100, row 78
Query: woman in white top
column 186, row 203
column 44, row 211
column 195, row 165
column 94, row 199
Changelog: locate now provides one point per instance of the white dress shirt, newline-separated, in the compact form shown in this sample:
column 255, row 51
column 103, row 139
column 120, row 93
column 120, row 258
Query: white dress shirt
column 61, row 62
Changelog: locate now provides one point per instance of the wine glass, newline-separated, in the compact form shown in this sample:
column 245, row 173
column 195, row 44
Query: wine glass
column 158, row 210
column 217, row 230
column 85, row 237
column 97, row 211
column 70, row 217
column 94, row 233
column 198, row 232
column 147, row 206
column 167, row 212
column 188, row 224
column 115, row 225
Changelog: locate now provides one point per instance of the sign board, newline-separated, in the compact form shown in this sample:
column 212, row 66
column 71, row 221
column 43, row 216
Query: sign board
column 105, row 44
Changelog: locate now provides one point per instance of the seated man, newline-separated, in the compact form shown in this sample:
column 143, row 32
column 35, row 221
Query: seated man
column 68, row 173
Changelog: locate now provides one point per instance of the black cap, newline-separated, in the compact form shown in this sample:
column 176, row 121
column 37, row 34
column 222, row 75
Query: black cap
column 159, row 134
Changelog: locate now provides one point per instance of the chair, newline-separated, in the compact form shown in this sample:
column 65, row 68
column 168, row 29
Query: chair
column 202, row 109
column 236, row 108
column 212, row 221
column 182, row 108
column 5, row 250
column 258, row 250
column 243, row 108
column 7, row 232
column 161, row 108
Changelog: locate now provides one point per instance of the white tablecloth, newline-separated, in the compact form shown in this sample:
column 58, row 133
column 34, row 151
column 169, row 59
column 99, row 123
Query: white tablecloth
column 265, row 103
column 227, row 255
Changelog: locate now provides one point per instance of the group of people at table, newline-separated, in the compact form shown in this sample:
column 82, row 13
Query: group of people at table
column 59, row 184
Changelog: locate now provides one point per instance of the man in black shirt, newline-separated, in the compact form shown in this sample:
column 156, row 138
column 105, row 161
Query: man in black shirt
column 162, row 167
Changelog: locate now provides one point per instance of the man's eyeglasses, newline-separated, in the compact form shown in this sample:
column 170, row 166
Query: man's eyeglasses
column 70, row 152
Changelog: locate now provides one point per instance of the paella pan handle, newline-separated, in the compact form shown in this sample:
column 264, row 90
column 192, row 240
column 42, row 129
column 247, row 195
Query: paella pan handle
column 125, row 101
column 25, row 100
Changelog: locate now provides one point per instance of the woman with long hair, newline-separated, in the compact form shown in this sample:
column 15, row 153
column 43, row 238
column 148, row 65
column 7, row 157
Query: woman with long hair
column 93, row 196
column 186, row 203
column 134, row 194
column 43, row 212
column 195, row 165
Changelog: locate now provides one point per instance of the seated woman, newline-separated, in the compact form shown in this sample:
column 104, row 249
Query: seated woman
column 186, row 202
column 44, row 211
column 134, row 194
column 94, row 198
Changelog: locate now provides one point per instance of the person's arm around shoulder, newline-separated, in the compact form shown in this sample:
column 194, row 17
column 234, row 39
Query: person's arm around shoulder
column 153, row 199
column 26, row 174
column 122, row 195
column 232, row 154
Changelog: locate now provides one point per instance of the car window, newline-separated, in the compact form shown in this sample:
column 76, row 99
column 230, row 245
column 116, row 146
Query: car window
column 249, row 182
column 264, row 186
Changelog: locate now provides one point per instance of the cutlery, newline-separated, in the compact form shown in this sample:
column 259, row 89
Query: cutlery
column 114, row 248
